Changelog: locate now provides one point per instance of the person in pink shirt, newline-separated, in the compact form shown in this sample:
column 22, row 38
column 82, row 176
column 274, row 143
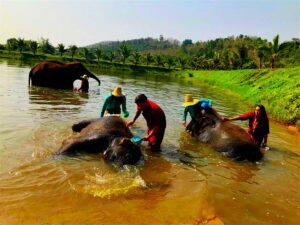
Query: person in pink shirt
column 155, row 118
column 258, row 124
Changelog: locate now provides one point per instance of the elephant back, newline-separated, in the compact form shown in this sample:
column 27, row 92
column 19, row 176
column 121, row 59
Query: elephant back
column 109, row 124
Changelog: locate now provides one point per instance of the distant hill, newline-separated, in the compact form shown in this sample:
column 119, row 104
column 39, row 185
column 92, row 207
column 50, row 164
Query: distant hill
column 142, row 44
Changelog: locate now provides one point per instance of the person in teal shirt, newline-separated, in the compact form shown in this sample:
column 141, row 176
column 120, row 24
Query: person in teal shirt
column 193, row 106
column 112, row 103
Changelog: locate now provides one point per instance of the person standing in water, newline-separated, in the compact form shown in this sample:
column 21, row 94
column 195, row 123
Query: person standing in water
column 113, row 102
column 155, row 118
column 258, row 128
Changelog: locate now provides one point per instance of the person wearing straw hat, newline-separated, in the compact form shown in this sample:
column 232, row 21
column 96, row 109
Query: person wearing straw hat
column 192, row 107
column 84, row 83
column 112, row 103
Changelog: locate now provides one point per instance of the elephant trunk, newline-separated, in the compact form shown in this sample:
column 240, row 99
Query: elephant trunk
column 94, row 77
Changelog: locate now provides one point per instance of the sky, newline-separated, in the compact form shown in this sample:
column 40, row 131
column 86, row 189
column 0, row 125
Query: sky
column 85, row 22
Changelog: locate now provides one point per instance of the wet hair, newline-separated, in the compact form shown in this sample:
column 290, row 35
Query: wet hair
column 141, row 99
column 263, row 114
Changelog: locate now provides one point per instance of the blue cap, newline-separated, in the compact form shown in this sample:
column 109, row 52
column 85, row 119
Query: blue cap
column 204, row 105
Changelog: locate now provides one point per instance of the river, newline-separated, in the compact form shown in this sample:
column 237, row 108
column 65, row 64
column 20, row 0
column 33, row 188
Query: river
column 187, row 183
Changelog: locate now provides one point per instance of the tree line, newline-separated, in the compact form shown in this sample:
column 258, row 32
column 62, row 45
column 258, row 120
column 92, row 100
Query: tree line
column 241, row 52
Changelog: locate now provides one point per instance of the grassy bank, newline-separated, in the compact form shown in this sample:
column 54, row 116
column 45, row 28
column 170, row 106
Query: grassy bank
column 277, row 89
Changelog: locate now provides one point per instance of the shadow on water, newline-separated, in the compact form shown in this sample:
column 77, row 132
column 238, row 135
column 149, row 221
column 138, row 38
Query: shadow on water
column 56, row 99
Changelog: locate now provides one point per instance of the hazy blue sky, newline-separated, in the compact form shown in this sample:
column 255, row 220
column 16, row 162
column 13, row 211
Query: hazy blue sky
column 83, row 22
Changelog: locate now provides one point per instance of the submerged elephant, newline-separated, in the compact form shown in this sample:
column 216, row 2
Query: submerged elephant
column 108, row 135
column 57, row 74
column 225, row 137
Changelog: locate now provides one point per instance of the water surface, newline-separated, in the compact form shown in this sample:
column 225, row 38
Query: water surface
column 188, row 183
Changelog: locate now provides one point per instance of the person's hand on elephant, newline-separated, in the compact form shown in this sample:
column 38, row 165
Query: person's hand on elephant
column 146, row 138
column 226, row 119
column 130, row 123
column 184, row 123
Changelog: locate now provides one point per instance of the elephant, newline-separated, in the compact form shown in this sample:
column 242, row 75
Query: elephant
column 228, row 138
column 108, row 135
column 57, row 74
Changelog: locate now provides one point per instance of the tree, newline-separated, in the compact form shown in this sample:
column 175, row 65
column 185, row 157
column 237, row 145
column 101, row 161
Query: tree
column 61, row 49
column 182, row 62
column 73, row 49
column 98, row 54
column 136, row 57
column 21, row 44
column 274, row 49
column 125, row 52
column 12, row 44
column 46, row 46
column 170, row 61
column 86, row 53
column 159, row 60
column 149, row 58
column 112, row 56
column 33, row 45
column 242, row 52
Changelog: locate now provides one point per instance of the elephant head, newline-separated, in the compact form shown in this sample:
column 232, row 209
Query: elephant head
column 78, row 70
column 122, row 151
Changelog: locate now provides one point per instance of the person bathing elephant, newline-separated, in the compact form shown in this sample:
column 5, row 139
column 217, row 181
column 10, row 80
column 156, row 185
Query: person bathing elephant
column 108, row 135
column 209, row 127
column 57, row 74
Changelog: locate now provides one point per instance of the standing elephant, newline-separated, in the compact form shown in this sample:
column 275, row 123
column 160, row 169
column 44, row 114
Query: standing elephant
column 225, row 137
column 108, row 135
column 57, row 74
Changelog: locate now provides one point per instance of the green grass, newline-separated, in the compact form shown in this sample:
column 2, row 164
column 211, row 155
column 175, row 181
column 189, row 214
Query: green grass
column 277, row 89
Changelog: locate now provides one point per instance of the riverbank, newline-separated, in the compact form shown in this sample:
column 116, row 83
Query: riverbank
column 277, row 89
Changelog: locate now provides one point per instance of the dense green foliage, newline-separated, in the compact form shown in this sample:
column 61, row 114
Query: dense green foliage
column 242, row 52
column 277, row 89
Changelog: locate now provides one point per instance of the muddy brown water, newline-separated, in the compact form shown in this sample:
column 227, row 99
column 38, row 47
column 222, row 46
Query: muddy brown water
column 188, row 183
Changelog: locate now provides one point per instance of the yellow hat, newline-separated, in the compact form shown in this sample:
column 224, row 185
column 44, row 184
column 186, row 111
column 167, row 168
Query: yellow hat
column 117, row 91
column 85, row 76
column 188, row 100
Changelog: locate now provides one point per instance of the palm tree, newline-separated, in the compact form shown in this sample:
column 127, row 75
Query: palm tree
column 159, row 60
column 21, row 44
column 86, row 53
column 170, row 61
column 61, row 49
column 149, row 58
column 73, row 49
column 136, row 57
column 182, row 62
column 33, row 46
column 125, row 52
column 242, row 51
column 98, row 54
column 274, row 49
column 112, row 56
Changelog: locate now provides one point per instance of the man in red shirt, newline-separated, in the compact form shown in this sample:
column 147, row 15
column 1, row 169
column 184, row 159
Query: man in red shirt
column 155, row 118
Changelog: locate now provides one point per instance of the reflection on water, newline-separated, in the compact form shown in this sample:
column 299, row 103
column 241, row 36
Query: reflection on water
column 188, row 183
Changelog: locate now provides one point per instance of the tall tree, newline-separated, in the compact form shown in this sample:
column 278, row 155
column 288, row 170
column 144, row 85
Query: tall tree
column 61, row 49
column 73, row 49
column 274, row 48
column 21, row 44
column 46, row 46
column 86, row 53
column 112, row 56
column 136, row 56
column 12, row 44
column 125, row 52
column 33, row 46
column 149, row 58
column 98, row 54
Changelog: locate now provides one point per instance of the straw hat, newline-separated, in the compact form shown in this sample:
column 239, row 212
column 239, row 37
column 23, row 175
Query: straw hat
column 188, row 101
column 85, row 76
column 117, row 91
